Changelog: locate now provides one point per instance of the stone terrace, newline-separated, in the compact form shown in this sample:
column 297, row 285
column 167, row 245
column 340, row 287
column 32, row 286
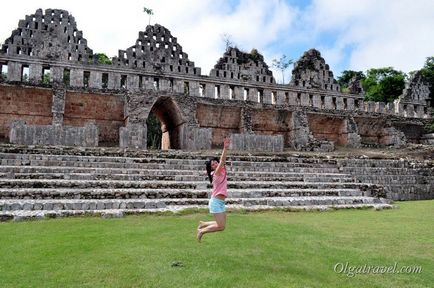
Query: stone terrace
column 38, row 182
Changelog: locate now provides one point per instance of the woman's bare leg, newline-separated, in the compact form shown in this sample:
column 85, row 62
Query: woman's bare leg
column 203, row 224
column 219, row 225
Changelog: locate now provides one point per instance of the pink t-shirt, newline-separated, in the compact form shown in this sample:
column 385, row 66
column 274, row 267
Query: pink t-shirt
column 220, row 184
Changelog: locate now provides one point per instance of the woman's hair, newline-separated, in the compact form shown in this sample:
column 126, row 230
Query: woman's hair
column 208, row 168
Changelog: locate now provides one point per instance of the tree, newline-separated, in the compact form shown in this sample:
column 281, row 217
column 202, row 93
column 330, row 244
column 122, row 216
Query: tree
column 149, row 12
column 282, row 64
column 383, row 84
column 346, row 77
column 154, row 133
column 428, row 75
column 46, row 78
column 227, row 39
column 101, row 58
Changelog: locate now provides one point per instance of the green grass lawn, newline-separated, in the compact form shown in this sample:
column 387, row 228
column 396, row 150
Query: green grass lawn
column 268, row 249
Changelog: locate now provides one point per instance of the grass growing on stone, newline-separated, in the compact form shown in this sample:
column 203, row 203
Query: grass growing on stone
column 268, row 249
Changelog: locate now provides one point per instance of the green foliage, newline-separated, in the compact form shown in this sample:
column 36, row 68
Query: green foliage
column 150, row 12
column 428, row 75
column 244, row 58
column 282, row 64
column 383, row 84
column 46, row 78
column 66, row 78
column 101, row 58
column 267, row 249
column 346, row 77
column 4, row 76
column 154, row 132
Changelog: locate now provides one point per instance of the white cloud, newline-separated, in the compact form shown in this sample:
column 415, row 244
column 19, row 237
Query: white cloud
column 381, row 33
column 369, row 33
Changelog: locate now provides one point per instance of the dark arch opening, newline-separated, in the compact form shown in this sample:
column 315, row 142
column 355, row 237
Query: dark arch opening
column 168, row 115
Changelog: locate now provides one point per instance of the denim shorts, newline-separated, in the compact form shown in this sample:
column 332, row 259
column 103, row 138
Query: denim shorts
column 216, row 205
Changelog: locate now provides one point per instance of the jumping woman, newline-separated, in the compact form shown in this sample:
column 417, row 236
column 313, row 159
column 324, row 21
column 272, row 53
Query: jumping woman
column 216, row 171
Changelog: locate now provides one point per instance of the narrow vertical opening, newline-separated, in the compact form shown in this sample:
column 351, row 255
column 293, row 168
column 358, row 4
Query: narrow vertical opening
column 46, row 75
column 3, row 71
column 24, row 73
column 156, row 84
column 260, row 96
column 124, row 81
column 246, row 93
column 186, row 88
column 217, row 91
column 86, row 76
column 104, row 80
column 273, row 97
column 201, row 89
column 231, row 92
column 67, row 77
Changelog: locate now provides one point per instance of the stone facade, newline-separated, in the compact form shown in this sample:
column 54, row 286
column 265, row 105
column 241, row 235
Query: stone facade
column 239, row 97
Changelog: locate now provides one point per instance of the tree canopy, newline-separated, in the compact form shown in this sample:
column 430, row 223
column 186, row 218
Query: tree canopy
column 101, row 58
column 282, row 64
column 428, row 75
column 347, row 75
column 383, row 84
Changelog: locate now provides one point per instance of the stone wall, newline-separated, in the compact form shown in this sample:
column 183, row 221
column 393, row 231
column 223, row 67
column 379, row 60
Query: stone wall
column 239, row 96
column 21, row 133
column 24, row 103
column 106, row 111
column 263, row 143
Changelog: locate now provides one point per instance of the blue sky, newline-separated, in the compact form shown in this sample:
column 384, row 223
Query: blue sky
column 350, row 34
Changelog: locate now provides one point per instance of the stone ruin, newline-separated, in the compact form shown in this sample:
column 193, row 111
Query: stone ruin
column 54, row 93
column 85, row 103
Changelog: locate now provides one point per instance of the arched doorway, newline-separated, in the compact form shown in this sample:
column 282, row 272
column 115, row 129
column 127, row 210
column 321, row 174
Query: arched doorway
column 169, row 117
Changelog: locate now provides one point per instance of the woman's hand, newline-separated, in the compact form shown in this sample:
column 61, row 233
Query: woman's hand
column 226, row 142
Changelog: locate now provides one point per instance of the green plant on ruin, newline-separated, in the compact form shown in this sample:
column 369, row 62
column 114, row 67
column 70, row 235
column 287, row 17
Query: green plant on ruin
column 46, row 79
column 282, row 64
column 154, row 133
column 101, row 58
column 383, row 84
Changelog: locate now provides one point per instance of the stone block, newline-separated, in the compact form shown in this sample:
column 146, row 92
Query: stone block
column 252, row 142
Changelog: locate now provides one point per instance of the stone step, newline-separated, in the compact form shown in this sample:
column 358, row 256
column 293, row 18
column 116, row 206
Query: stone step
column 189, row 157
column 385, row 171
column 179, row 166
column 101, row 204
column 5, row 170
column 22, row 215
column 134, row 168
column 396, row 179
column 176, row 177
column 59, row 183
column 87, row 193
column 381, row 163
column 281, row 162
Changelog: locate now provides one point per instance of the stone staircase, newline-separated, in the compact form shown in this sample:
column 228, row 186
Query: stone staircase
column 38, row 182
column 402, row 179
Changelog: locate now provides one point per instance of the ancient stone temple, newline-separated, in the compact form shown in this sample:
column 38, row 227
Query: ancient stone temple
column 54, row 91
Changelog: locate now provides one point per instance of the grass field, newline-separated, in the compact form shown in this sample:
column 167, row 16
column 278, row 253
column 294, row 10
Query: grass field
column 267, row 249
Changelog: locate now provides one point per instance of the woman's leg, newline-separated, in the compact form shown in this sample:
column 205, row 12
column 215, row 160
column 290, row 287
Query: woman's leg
column 203, row 224
column 219, row 225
